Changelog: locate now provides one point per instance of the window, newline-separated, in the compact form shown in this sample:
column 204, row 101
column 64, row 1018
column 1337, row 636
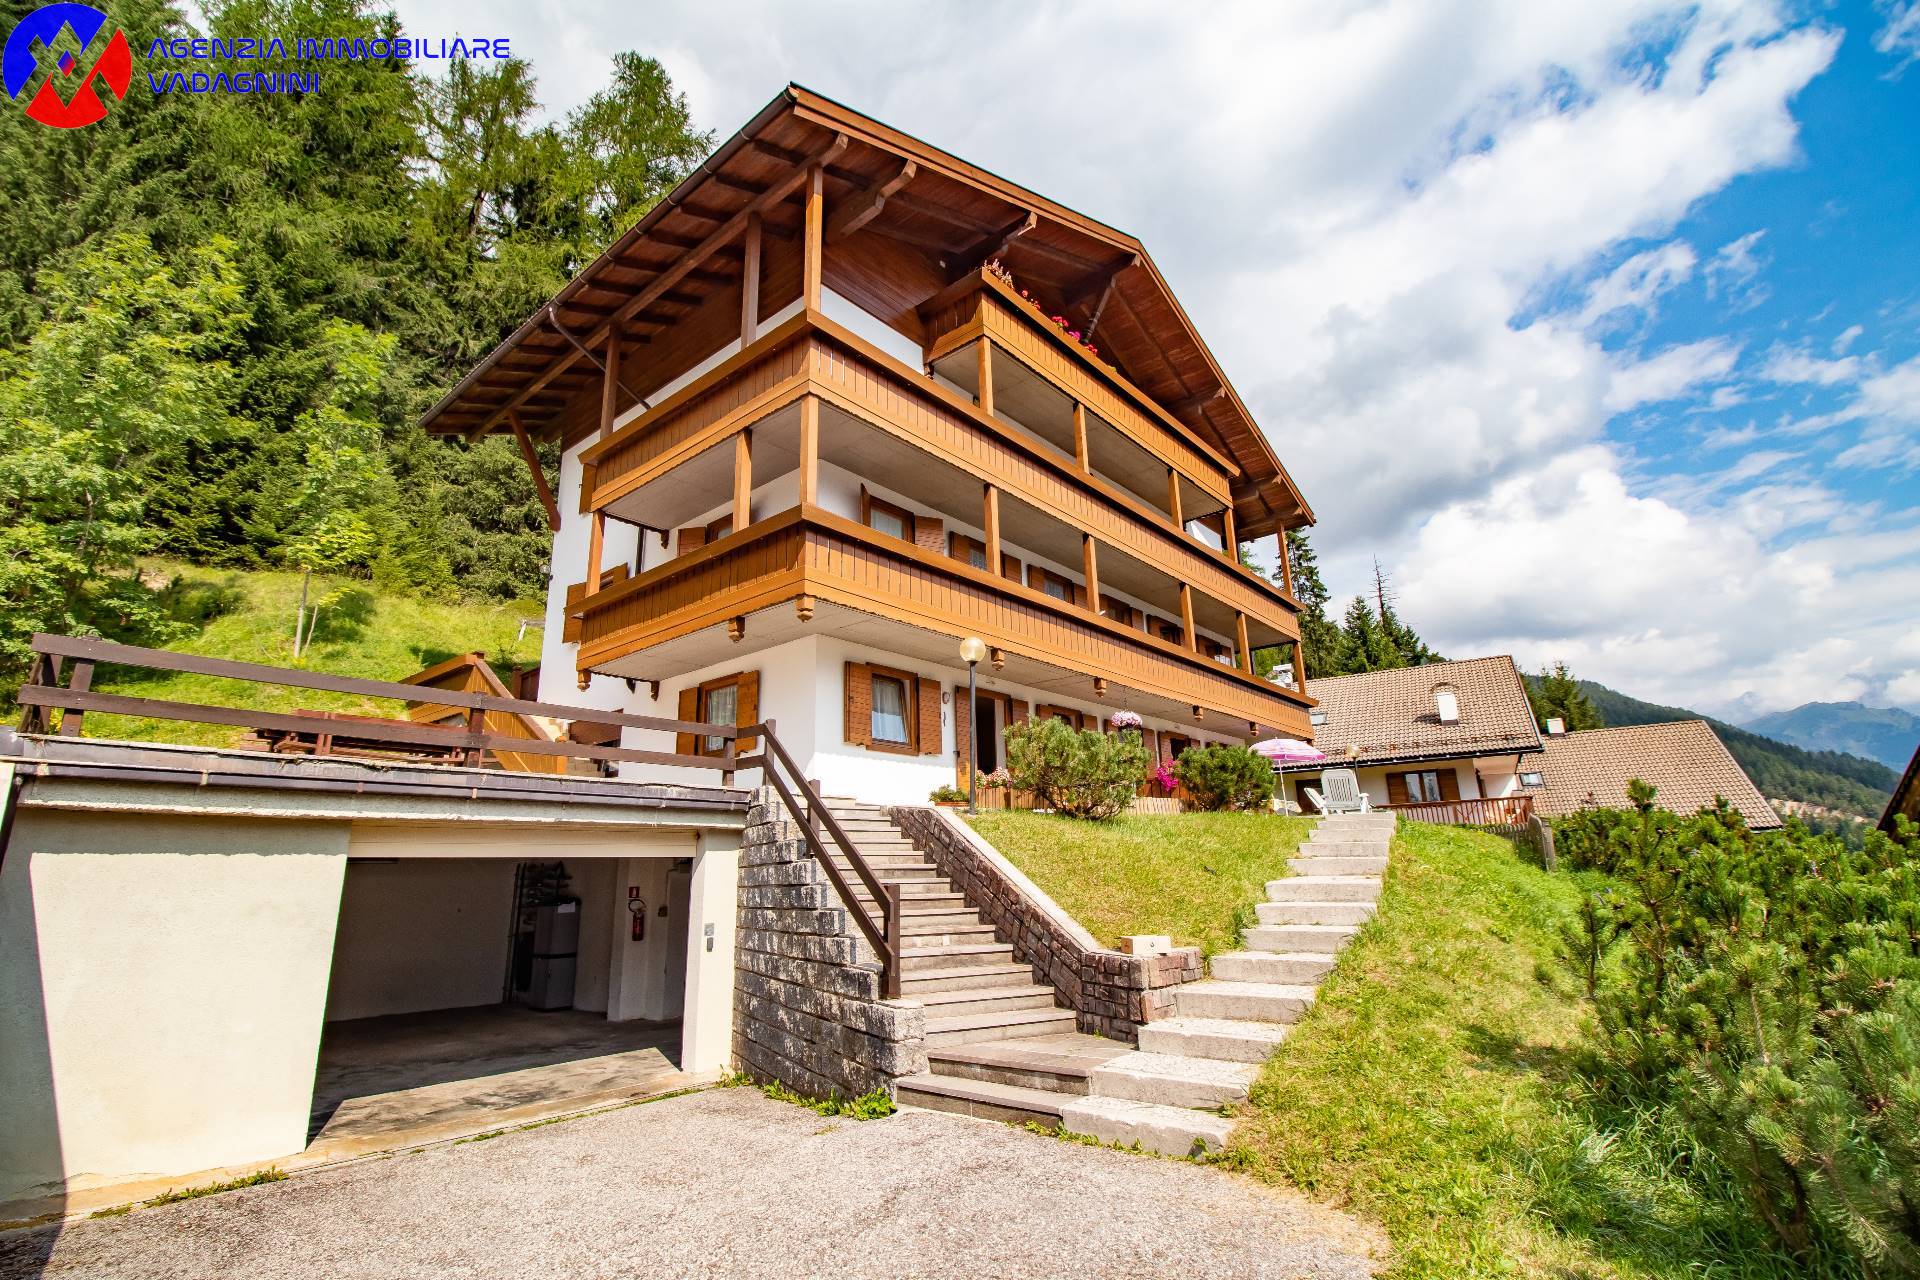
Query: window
column 732, row 699
column 719, row 704
column 1053, row 584
column 1174, row 745
column 720, row 527
column 1112, row 607
column 890, row 711
column 971, row 550
column 1532, row 779
column 1423, row 786
column 1168, row 631
column 885, row 517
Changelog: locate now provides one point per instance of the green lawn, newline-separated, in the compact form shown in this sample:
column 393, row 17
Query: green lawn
column 1194, row 876
column 365, row 632
column 1429, row 1088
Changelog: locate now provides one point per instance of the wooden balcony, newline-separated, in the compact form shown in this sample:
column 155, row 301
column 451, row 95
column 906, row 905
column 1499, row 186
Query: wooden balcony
column 910, row 599
column 812, row 356
column 1505, row 812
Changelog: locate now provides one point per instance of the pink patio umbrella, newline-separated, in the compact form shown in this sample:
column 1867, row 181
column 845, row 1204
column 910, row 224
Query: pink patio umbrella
column 1289, row 751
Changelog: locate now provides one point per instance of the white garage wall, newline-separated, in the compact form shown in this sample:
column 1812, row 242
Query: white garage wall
column 425, row 934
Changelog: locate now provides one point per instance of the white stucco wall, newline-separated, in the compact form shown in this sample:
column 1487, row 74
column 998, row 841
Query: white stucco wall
column 421, row 934
column 1487, row 778
column 162, row 983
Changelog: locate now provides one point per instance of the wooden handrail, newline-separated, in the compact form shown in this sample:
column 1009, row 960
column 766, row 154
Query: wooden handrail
column 1483, row 811
column 886, row 935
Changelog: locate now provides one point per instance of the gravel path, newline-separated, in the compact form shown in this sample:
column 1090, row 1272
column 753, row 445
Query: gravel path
column 725, row 1183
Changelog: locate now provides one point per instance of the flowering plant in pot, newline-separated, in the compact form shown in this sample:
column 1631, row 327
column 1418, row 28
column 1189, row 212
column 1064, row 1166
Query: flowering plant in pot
column 1125, row 720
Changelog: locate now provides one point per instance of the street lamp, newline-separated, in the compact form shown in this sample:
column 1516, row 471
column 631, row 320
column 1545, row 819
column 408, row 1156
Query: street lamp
column 972, row 649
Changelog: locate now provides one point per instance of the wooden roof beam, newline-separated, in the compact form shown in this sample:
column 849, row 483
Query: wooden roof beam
column 991, row 246
column 640, row 301
column 851, row 217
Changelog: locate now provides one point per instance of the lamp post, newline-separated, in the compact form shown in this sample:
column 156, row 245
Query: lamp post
column 972, row 649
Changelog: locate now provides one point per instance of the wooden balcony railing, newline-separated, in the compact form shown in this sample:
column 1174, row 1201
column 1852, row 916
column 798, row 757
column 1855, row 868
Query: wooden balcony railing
column 326, row 733
column 809, row 556
column 810, row 355
column 1505, row 812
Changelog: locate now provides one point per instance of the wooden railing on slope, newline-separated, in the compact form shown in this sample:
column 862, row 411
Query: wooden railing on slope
column 1504, row 812
column 331, row 733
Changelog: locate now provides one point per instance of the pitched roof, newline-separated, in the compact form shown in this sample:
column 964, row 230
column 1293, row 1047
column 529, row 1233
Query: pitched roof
column 922, row 213
column 1906, row 795
column 1684, row 760
column 1388, row 716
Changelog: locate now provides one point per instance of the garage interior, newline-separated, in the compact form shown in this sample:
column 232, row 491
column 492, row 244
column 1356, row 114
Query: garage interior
column 468, row 991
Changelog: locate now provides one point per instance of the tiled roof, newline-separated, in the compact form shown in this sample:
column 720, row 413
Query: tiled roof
column 1906, row 795
column 1685, row 761
column 1383, row 716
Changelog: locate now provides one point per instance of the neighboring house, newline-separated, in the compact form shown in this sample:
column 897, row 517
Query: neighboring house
column 1439, row 733
column 1684, row 760
column 1906, row 795
column 842, row 400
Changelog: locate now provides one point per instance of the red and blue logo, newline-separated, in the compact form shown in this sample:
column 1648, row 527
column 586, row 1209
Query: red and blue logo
column 36, row 34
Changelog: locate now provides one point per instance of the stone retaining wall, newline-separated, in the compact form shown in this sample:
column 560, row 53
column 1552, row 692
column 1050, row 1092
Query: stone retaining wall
column 806, row 1003
column 1112, row 993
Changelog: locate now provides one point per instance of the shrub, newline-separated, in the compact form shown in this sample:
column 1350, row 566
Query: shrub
column 1080, row 773
column 1761, row 992
column 947, row 794
column 1222, row 777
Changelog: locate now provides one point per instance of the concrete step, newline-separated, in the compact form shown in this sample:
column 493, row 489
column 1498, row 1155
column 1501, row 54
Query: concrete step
column 915, row 957
column 1314, row 912
column 880, row 842
column 917, row 918
column 910, row 890
column 1174, row 1081
column 1289, row 968
column 1327, row 939
column 1319, row 865
column 1059, row 1064
column 917, row 938
column 985, row 1099
column 1171, row 1131
column 1372, row 818
column 1344, row 848
column 1011, row 1025
column 1226, row 1039
column 915, row 983
column 954, row 1004
column 1323, row 889
column 1247, row 1001
column 888, row 858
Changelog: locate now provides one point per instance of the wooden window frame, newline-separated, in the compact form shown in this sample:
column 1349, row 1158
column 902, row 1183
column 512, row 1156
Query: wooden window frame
column 910, row 687
column 701, row 745
column 961, row 547
column 869, row 504
column 718, row 527
column 1438, row 796
column 1047, row 576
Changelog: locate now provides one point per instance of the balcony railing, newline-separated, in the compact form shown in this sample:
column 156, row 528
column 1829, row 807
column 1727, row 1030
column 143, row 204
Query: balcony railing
column 809, row 556
column 1504, row 813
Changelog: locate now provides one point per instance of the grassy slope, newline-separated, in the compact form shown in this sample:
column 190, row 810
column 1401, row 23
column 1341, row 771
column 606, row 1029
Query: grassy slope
column 1429, row 1087
column 1193, row 876
column 249, row 616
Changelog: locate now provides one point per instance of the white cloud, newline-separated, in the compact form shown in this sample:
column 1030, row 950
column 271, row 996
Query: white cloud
column 1889, row 403
column 1733, row 272
column 1848, row 336
column 1795, row 364
column 1670, row 374
column 1638, row 282
column 1900, row 37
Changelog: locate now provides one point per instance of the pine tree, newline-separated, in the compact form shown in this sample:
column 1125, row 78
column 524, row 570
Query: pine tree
column 1555, row 693
column 1318, row 634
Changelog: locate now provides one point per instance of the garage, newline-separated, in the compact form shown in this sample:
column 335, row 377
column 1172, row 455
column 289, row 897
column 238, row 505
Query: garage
column 467, row 990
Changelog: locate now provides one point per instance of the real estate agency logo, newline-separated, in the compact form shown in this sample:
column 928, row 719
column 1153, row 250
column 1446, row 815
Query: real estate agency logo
column 36, row 34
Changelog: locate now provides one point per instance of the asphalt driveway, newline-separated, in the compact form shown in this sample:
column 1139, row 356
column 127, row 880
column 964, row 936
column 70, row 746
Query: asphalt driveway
column 724, row 1183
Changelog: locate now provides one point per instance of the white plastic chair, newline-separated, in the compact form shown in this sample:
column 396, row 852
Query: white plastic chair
column 1339, row 793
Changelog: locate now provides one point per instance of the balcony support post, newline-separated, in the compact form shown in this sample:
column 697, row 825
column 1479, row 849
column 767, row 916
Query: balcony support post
column 750, row 282
column 1090, row 563
column 809, row 450
column 742, row 480
column 1299, row 666
column 814, row 241
column 610, row 380
column 596, row 542
column 1187, row 633
column 990, row 521
column 1286, row 560
column 1080, row 454
column 1246, row 649
column 1229, row 539
column 983, row 372
column 1173, row 498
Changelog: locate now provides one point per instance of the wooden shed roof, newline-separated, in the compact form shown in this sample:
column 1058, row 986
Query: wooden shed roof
column 905, row 220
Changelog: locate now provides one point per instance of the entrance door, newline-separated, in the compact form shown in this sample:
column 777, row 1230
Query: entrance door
column 986, row 734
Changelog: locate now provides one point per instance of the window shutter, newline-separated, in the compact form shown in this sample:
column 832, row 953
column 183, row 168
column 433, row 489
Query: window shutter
column 929, row 716
column 1016, row 712
column 686, row 743
column 1009, row 567
column 747, row 711
column 1150, row 739
column 1449, row 784
column 929, row 533
column 1080, row 594
column 1396, row 788
column 691, row 538
column 859, row 703
column 1135, row 618
column 1036, row 576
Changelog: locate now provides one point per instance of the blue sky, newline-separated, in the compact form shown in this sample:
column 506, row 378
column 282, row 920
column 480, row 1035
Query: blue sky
column 1598, row 324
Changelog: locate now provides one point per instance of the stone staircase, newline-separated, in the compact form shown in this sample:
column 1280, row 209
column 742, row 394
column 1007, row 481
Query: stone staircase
column 997, row 1047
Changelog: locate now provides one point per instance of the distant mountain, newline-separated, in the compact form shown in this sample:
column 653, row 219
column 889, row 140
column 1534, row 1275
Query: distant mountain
column 1834, row 779
column 1886, row 734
